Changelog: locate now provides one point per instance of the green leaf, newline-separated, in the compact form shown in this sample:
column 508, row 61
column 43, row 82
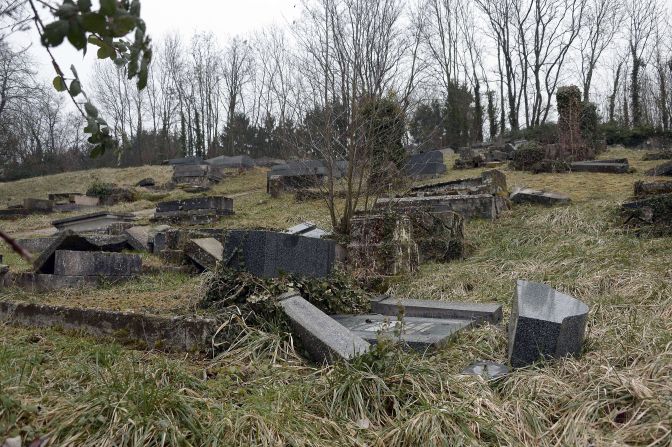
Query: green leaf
column 55, row 32
column 97, row 151
column 123, row 25
column 75, row 88
column 135, row 8
column 59, row 84
column 91, row 110
column 94, row 22
column 76, row 36
column 66, row 11
column 108, row 7
column 93, row 40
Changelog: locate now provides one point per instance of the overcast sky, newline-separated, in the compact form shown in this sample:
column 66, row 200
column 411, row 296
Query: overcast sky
column 225, row 18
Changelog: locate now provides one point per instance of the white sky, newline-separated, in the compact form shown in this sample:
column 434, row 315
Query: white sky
column 225, row 18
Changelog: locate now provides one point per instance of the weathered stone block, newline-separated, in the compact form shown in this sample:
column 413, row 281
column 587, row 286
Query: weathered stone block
column 600, row 166
column 38, row 205
column 196, row 210
column 527, row 195
column 92, row 222
column 645, row 189
column 382, row 244
column 427, row 164
column 439, row 235
column 418, row 333
column 544, row 324
column 86, row 263
column 321, row 336
column 487, row 370
column 485, row 206
column 478, row 312
column 662, row 170
column 206, row 253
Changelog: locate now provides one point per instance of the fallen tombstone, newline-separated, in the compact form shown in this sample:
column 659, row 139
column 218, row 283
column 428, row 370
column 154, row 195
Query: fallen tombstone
column 142, row 238
column 418, row 333
column 102, row 264
column 322, row 337
column 205, row 253
column 197, row 210
column 527, row 195
column 438, row 235
column 14, row 213
column 483, row 206
column 235, row 162
column 490, row 182
column 487, row 370
column 92, row 222
column 167, row 238
column 67, row 240
column 601, row 166
column 544, row 324
column 653, row 210
column 645, row 189
column 38, row 205
column 153, row 331
column 426, row 164
column 662, row 170
column 269, row 254
column 86, row 201
column 478, row 312
column 307, row 229
column 382, row 245
column 191, row 160
column 655, row 156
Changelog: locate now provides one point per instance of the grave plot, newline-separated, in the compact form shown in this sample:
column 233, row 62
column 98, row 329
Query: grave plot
column 235, row 162
column 200, row 175
column 619, row 166
column 200, row 210
column 301, row 174
column 548, row 198
column 95, row 222
column 307, row 229
column 662, row 170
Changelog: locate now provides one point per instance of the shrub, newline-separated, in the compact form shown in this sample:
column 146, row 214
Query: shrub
column 527, row 156
column 546, row 133
column 550, row 166
column 100, row 189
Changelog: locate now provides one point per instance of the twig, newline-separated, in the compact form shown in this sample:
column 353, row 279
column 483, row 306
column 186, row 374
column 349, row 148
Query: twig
column 25, row 254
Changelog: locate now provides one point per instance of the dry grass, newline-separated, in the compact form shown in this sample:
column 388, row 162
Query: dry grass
column 79, row 391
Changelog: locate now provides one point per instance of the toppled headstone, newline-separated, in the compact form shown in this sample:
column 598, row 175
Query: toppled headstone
column 418, row 333
column 86, row 201
column 38, row 205
column 487, row 370
column 382, row 244
column 653, row 210
column 662, row 170
column 544, row 324
column 191, row 160
column 67, row 240
column 196, row 210
column 646, row 189
column 103, row 264
column 138, row 237
column 478, row 312
column 300, row 174
column 92, row 222
column 321, row 336
column 205, row 252
column 527, row 195
column 427, row 164
column 235, row 162
column 307, row 229
column 197, row 175
column 484, row 206
column 603, row 166
column 490, row 182
column 267, row 254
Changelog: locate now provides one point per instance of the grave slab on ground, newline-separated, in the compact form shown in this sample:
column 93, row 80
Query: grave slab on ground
column 196, row 210
column 620, row 166
column 307, row 229
column 103, row 264
column 490, row 182
column 418, row 333
column 206, row 253
column 92, row 222
column 478, row 312
column 662, row 170
column 544, row 324
column 322, row 337
column 549, row 198
column 39, row 205
column 646, row 189
column 487, row 370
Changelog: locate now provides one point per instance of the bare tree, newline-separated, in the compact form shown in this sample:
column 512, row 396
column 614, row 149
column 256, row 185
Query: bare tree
column 642, row 17
column 237, row 73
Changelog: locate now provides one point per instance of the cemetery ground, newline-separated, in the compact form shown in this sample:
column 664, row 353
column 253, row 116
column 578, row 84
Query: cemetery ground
column 78, row 390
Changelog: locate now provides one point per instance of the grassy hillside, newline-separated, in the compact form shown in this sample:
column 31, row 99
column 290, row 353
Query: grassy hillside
column 81, row 391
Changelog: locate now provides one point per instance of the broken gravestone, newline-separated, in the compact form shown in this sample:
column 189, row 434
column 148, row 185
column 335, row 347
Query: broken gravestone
column 101, row 264
column 418, row 333
column 38, row 205
column 439, row 235
column 426, row 164
column 487, row 370
column 602, row 166
column 198, row 210
column 307, row 229
column 92, row 222
column 662, row 170
column 544, row 324
column 321, row 336
column 527, row 195
column 646, row 189
column 478, row 312
column 205, row 252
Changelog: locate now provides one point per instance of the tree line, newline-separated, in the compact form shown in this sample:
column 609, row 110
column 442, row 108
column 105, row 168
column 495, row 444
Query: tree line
column 457, row 71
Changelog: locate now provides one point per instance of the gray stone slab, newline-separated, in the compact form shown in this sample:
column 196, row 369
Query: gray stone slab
column 206, row 253
column 301, row 228
column 544, row 324
column 190, row 171
column 39, row 283
column 484, row 206
column 87, row 263
column 269, row 254
column 527, row 195
column 664, row 169
column 184, row 161
column 92, row 222
column 39, row 205
column 36, row 245
column 427, row 164
column 479, row 312
column 600, row 167
column 138, row 237
column 487, row 370
column 418, row 333
column 322, row 337
column 156, row 332
column 67, row 240
column 220, row 204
